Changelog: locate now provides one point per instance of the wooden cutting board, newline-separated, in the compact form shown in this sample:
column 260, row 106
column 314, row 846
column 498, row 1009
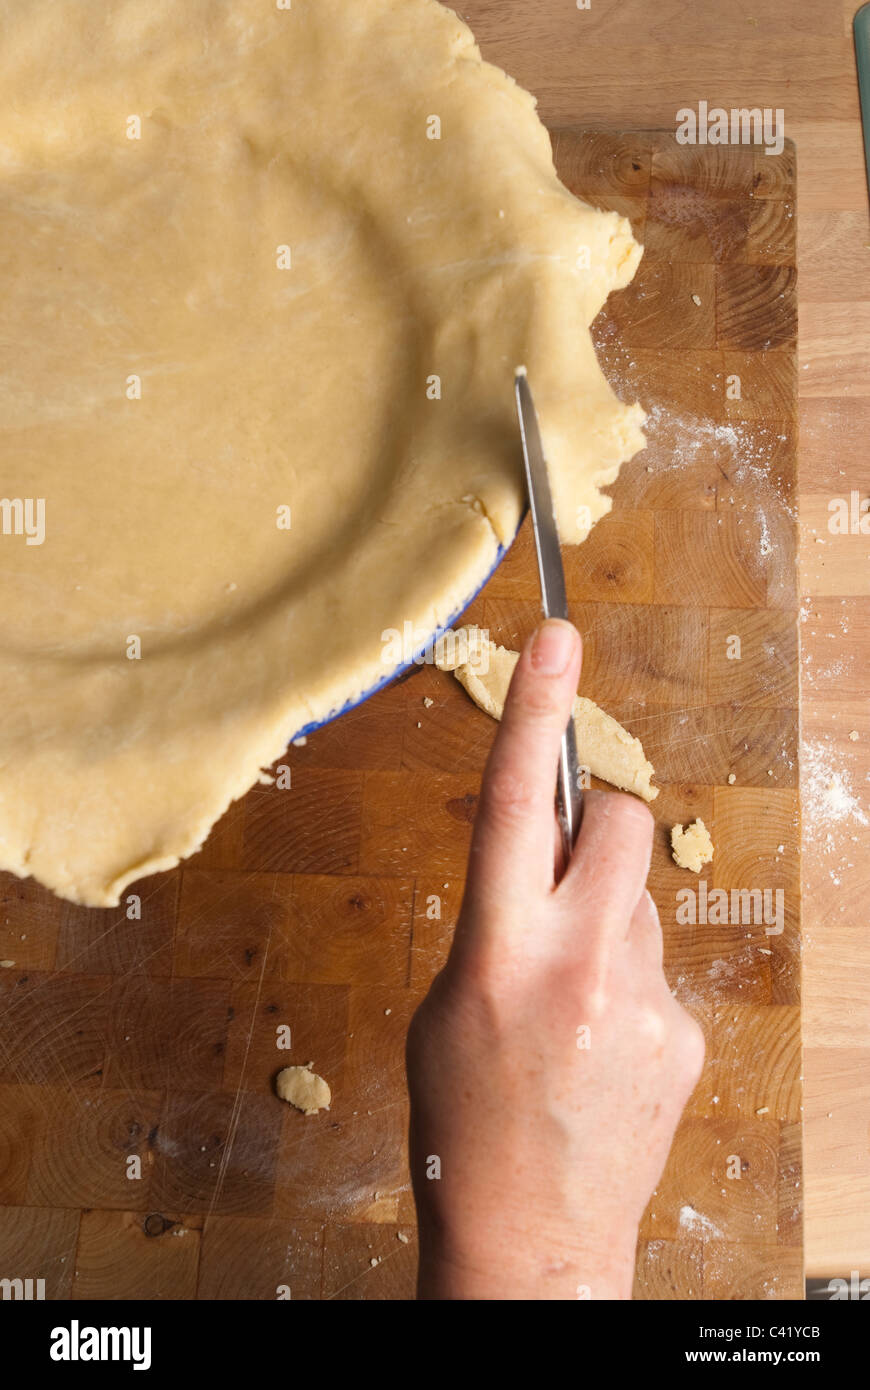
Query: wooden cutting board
column 327, row 909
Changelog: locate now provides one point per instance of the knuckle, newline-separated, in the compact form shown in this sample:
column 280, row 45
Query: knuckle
column 593, row 985
column 596, row 1002
column 691, row 1044
column 482, row 999
column 507, row 797
column 539, row 702
column 652, row 1025
column 629, row 810
column 626, row 810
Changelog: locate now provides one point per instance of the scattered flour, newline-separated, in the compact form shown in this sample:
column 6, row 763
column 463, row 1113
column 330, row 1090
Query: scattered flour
column 827, row 793
column 694, row 1221
column 743, row 449
column 830, row 809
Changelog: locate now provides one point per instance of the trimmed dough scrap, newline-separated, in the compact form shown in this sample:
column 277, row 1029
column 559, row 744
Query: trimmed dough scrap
column 692, row 848
column 304, row 1089
column 610, row 752
column 235, row 269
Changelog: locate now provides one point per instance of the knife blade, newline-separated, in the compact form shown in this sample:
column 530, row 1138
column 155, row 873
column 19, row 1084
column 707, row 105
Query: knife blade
column 569, row 797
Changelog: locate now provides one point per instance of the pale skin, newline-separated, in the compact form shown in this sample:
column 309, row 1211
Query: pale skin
column 549, row 1151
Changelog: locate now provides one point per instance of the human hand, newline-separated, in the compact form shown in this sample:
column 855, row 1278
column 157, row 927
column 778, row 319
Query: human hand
column 549, row 1064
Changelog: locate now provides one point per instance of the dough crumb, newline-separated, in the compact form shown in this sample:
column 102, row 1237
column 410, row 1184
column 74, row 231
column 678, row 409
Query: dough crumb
column 6, row 964
column 696, row 299
column 428, row 702
column 854, row 735
column 304, row 1089
column 732, row 778
column 764, row 1110
column 300, row 742
column 400, row 1235
column 692, row 847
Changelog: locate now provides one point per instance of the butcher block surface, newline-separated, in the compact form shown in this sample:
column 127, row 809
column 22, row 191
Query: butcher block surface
column 326, row 908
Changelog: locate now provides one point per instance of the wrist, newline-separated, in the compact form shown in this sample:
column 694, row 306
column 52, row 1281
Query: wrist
column 528, row 1265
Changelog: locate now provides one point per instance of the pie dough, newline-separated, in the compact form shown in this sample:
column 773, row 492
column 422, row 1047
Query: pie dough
column 608, row 750
column 692, row 848
column 302, row 1087
column 258, row 333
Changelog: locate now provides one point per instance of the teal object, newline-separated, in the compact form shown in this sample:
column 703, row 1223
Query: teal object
column 862, row 57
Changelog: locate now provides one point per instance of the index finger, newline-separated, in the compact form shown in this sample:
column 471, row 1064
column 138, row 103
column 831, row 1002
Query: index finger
column 512, row 844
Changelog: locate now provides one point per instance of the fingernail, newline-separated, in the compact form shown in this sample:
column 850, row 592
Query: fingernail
column 553, row 647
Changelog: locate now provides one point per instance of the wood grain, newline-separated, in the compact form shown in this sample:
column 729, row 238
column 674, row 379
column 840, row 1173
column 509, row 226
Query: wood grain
column 325, row 909
column 591, row 67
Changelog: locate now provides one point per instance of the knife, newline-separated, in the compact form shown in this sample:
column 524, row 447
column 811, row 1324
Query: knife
column 569, row 797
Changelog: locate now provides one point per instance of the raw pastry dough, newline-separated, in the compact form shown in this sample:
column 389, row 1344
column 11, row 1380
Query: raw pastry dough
column 692, row 847
column 257, row 338
column 303, row 1088
column 608, row 750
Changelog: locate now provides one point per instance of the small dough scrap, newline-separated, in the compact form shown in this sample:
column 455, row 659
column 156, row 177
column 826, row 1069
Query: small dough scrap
column 303, row 1088
column 692, row 847
column 463, row 647
column 604, row 746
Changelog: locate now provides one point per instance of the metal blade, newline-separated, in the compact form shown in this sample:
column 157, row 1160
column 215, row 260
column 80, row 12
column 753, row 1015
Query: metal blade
column 541, row 501
column 569, row 796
